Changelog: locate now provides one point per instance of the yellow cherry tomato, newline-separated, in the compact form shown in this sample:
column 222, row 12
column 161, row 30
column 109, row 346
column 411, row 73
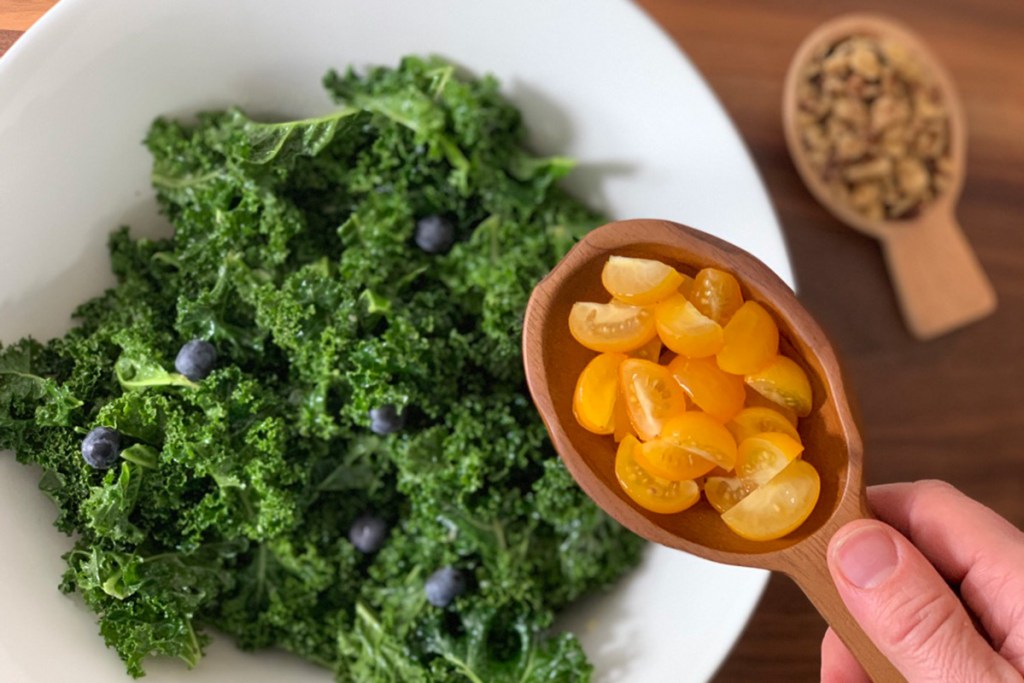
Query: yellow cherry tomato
column 715, row 391
column 757, row 420
column 702, row 435
column 665, row 459
column 686, row 330
column 750, row 340
column 593, row 402
column 725, row 492
column 785, row 383
column 611, row 327
column 755, row 399
column 759, row 458
column 652, row 395
column 686, row 288
column 648, row 491
column 716, row 294
column 623, row 427
column 650, row 351
column 779, row 507
column 639, row 281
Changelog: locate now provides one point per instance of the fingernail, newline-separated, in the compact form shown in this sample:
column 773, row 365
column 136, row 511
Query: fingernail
column 866, row 557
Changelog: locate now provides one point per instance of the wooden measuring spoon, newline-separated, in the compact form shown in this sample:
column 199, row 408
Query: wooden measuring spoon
column 939, row 282
column 553, row 361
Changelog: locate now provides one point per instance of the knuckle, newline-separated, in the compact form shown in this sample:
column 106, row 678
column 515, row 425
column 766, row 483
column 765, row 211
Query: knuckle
column 934, row 488
column 924, row 626
column 1006, row 633
column 929, row 503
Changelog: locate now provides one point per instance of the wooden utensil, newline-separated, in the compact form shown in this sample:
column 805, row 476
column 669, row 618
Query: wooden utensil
column 553, row 361
column 939, row 282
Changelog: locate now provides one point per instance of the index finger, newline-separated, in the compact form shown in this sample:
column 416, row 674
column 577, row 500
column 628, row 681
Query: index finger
column 968, row 544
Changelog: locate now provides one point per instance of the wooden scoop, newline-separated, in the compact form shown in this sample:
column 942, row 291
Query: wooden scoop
column 553, row 361
column 939, row 282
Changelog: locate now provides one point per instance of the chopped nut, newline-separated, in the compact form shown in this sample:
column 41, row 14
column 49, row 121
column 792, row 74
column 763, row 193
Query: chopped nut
column 851, row 109
column 912, row 177
column 903, row 208
column 865, row 195
column 928, row 106
column 888, row 110
column 836, row 64
column 850, row 147
column 833, row 84
column 874, row 126
column 864, row 61
column 894, row 149
column 930, row 144
column 815, row 137
column 866, row 170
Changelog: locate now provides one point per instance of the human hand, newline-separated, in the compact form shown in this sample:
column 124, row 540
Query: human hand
column 896, row 582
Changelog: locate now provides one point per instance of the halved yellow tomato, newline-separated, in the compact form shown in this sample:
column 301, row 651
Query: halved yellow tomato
column 686, row 330
column 759, row 458
column 611, row 327
column 597, row 389
column 652, row 395
column 639, row 281
column 715, row 391
column 650, row 351
column 648, row 491
column 702, row 435
column 755, row 399
column 623, row 426
column 725, row 492
column 750, row 340
column 665, row 459
column 785, row 383
column 757, row 420
column 686, row 288
column 778, row 507
column 716, row 294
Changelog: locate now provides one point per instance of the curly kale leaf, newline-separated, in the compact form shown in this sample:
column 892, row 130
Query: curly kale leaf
column 294, row 254
column 27, row 396
column 149, row 605
column 500, row 648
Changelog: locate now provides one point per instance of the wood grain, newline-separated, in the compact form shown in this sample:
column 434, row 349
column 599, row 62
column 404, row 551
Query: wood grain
column 952, row 408
column 17, row 15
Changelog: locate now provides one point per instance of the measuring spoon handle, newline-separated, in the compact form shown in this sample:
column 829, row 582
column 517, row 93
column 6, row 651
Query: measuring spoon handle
column 808, row 567
column 939, row 281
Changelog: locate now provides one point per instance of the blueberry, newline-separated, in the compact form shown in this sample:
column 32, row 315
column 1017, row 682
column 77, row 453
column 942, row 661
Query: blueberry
column 195, row 359
column 385, row 420
column 367, row 534
column 434, row 234
column 444, row 585
column 101, row 447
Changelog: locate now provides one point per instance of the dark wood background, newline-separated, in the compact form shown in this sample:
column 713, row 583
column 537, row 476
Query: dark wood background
column 952, row 408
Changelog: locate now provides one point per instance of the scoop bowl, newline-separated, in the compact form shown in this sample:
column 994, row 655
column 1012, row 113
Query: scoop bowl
column 553, row 361
column 939, row 282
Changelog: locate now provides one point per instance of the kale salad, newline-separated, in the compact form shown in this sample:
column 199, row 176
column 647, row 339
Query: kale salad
column 302, row 420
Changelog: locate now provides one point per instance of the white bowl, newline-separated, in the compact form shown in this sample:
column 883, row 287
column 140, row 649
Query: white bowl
column 599, row 82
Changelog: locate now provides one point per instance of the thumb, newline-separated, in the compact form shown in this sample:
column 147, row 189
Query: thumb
column 907, row 609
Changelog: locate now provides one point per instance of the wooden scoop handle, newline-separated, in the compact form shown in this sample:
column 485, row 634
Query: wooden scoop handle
column 810, row 572
column 939, row 282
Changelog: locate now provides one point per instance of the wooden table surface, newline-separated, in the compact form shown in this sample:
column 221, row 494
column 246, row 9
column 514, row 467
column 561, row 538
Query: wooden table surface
column 952, row 408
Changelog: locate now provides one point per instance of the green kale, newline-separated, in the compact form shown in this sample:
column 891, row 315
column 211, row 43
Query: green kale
column 294, row 254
